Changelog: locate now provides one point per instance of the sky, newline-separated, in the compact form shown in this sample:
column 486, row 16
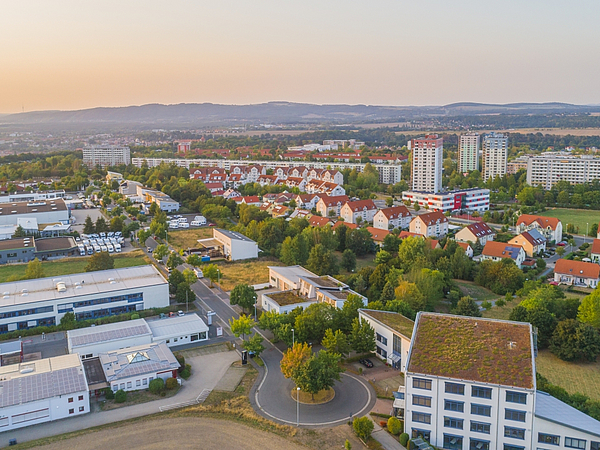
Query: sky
column 75, row 54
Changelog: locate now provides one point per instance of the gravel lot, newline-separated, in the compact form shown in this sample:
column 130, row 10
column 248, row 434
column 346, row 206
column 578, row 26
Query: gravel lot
column 81, row 214
column 180, row 434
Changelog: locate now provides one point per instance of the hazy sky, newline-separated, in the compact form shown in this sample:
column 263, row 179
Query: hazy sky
column 72, row 54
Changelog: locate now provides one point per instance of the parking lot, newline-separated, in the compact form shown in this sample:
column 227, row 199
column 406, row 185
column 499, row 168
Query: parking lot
column 81, row 214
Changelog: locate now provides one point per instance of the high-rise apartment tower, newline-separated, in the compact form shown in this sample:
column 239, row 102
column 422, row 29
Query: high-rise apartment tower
column 427, row 155
column 495, row 150
column 468, row 152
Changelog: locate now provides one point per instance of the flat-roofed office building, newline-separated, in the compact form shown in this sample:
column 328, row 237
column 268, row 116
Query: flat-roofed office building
column 89, row 295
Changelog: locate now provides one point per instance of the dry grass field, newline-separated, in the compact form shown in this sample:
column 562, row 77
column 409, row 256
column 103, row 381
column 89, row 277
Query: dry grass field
column 573, row 377
column 250, row 272
column 184, row 239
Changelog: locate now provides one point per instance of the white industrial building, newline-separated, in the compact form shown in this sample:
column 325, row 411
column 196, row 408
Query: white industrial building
column 427, row 156
column 235, row 246
column 388, row 173
column 133, row 368
column 43, row 211
column 393, row 333
column 89, row 295
column 547, row 169
column 41, row 391
column 495, row 151
column 468, row 152
column 471, row 384
column 106, row 155
column 89, row 342
column 179, row 330
column 465, row 199
column 32, row 196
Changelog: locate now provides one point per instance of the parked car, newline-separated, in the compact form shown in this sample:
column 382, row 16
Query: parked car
column 366, row 362
column 180, row 313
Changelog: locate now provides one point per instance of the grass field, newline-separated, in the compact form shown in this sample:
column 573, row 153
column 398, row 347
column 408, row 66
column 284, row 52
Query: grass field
column 184, row 239
column 500, row 312
column 475, row 291
column 578, row 217
column 250, row 272
column 573, row 377
column 72, row 265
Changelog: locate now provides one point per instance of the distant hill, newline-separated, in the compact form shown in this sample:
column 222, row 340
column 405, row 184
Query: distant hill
column 202, row 114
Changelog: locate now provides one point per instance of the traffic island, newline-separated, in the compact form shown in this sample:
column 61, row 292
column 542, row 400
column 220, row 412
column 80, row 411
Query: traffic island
column 321, row 397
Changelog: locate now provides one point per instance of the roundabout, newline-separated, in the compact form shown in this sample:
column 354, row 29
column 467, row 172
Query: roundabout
column 353, row 397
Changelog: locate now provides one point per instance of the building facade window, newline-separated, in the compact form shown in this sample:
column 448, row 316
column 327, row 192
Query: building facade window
column 421, row 383
column 513, row 414
column 81, row 409
column 397, row 345
column 477, row 444
column 516, row 433
column 423, row 434
column 381, row 339
column 481, row 392
column 451, row 405
column 26, row 312
column 516, row 397
column 480, row 427
column 70, row 400
column 421, row 417
column 575, row 443
column 594, row 445
column 451, row 422
column 548, row 439
column 421, row 400
column 455, row 388
column 72, row 411
column 453, row 442
column 129, row 385
column 80, row 398
column 513, row 447
column 481, row 410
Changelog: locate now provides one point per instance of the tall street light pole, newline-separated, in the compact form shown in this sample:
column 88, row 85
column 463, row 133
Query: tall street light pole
column 255, row 312
column 297, row 406
column 293, row 337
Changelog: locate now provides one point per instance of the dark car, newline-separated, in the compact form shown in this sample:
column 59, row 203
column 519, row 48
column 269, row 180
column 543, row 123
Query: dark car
column 366, row 363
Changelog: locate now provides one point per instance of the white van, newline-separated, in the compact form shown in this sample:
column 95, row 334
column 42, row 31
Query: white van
column 182, row 220
column 184, row 225
column 103, row 248
column 118, row 248
column 173, row 225
column 199, row 273
column 81, row 250
column 97, row 248
column 110, row 248
column 200, row 219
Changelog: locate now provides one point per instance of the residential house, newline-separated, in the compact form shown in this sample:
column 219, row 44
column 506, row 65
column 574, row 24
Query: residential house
column 266, row 180
column 577, row 273
column 550, row 227
column 254, row 172
column 363, row 209
column 532, row 241
column 595, row 251
column 298, row 182
column 324, row 187
column 300, row 214
column 318, row 221
column 280, row 211
column 236, row 180
column 251, row 200
column 467, row 248
column 393, row 333
column 476, row 232
column 308, row 201
column 430, row 224
column 331, row 206
column 497, row 251
column 332, row 176
column 339, row 223
column 232, row 194
column 378, row 235
column 298, row 172
column 214, row 187
column 390, row 218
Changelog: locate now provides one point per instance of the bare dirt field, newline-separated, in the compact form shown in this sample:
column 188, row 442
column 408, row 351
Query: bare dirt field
column 180, row 434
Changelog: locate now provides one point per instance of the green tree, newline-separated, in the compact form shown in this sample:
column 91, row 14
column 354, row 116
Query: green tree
column 194, row 260
column 244, row 296
column 573, row 341
column 416, row 206
column 362, row 337
column 116, row 224
column 560, row 251
column 335, row 342
column 189, row 276
column 349, row 260
column 143, row 236
column 593, row 230
column 160, row 252
column 19, row 232
column 67, row 322
column 120, row 396
column 254, row 344
column 34, row 270
column 100, row 261
column 589, row 310
column 394, row 426
column 175, row 279
column 363, row 426
column 321, row 261
column 156, row 386
column 410, row 293
column 466, row 306
column 382, row 257
column 389, row 202
column 184, row 294
column 242, row 326
column 409, row 250
column 88, row 226
column 211, row 271
column 101, row 225
column 319, row 372
column 174, row 260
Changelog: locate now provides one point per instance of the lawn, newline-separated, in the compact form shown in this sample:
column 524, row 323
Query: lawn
column 578, row 217
column 72, row 265
column 475, row 291
column 249, row 272
column 184, row 239
column 573, row 377
column 361, row 261
column 502, row 313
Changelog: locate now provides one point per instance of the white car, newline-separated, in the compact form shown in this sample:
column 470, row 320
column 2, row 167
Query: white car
column 184, row 225
column 110, row 248
column 103, row 248
column 199, row 273
column 118, row 248
column 173, row 225
column 97, row 248
column 182, row 220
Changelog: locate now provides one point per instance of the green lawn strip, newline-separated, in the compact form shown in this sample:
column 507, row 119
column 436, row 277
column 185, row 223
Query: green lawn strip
column 137, row 397
column 582, row 377
column 577, row 217
column 475, row 291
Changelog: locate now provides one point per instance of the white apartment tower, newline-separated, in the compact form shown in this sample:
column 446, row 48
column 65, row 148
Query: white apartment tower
column 106, row 155
column 468, row 152
column 495, row 150
column 427, row 155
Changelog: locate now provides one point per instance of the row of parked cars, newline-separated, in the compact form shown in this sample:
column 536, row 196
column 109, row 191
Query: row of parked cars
column 100, row 242
column 182, row 222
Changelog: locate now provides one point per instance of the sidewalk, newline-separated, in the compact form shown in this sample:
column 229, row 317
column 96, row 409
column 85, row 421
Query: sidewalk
column 384, row 438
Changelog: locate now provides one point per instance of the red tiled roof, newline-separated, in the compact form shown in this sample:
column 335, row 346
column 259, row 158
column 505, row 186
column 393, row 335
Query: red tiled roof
column 577, row 268
column 431, row 218
column 378, row 234
column 318, row 221
column 528, row 219
column 596, row 246
column 464, row 245
column 480, row 229
column 501, row 250
column 405, row 234
column 339, row 223
column 330, row 201
column 361, row 204
column 251, row 199
column 395, row 212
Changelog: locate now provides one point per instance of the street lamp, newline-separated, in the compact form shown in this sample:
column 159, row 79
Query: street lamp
column 297, row 406
column 255, row 312
column 292, row 337
column 586, row 232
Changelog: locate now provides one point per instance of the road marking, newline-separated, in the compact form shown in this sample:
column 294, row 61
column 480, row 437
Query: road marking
column 200, row 399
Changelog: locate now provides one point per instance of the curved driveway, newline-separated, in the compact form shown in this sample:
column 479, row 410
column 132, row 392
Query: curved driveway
column 353, row 397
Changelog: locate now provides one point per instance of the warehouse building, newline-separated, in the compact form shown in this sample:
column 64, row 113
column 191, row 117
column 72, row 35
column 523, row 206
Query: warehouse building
column 179, row 330
column 90, row 295
column 42, row 391
column 232, row 245
column 45, row 211
column 25, row 249
column 91, row 341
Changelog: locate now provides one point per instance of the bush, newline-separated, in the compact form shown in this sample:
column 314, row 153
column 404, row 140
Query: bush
column 187, row 372
column 120, row 396
column 404, row 439
column 363, row 427
column 500, row 302
column 135, row 316
column 156, row 386
column 181, row 361
column 394, row 425
column 109, row 394
column 171, row 383
column 486, row 305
